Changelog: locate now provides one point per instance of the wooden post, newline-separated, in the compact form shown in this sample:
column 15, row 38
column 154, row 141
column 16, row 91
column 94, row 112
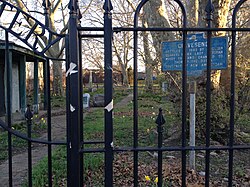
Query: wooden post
column 8, row 67
column 22, row 83
column 45, row 87
column 36, row 88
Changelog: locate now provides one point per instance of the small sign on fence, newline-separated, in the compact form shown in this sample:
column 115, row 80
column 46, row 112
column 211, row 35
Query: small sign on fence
column 172, row 54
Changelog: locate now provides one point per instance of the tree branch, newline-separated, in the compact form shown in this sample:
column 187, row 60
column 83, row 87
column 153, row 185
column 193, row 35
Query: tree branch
column 54, row 9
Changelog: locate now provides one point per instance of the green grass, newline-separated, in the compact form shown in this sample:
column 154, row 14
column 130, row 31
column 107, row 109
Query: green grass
column 148, row 104
column 39, row 175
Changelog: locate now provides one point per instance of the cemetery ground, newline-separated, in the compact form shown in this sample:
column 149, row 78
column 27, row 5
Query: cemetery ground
column 148, row 104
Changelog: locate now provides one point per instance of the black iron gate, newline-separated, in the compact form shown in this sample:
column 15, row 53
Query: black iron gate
column 74, row 91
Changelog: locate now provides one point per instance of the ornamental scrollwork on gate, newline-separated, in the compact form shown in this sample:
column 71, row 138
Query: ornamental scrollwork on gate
column 36, row 35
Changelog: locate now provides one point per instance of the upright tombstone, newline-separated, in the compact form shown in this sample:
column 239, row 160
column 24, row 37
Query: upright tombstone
column 90, row 79
column 98, row 100
column 164, row 86
column 86, row 98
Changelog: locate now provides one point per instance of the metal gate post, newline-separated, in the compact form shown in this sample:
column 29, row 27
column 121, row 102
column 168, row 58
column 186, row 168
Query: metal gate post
column 73, row 95
column 108, row 86
column 209, row 10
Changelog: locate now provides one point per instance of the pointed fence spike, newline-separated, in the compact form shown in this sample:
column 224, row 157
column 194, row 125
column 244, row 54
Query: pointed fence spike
column 160, row 119
column 107, row 6
column 46, row 3
column 209, row 10
column 28, row 113
column 209, row 7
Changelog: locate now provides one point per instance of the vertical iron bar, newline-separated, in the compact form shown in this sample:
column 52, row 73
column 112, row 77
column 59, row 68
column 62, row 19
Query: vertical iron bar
column 29, row 156
column 67, row 65
column 28, row 116
column 46, row 4
column 108, row 93
column 232, row 98
column 209, row 10
column 160, row 121
column 74, row 98
column 8, row 64
column 49, row 124
column 135, row 105
column 184, row 105
column 81, row 108
column 159, row 156
column 135, row 92
column 232, row 109
column 208, row 107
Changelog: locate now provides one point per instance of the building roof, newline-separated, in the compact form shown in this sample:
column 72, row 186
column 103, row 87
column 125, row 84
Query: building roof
column 20, row 51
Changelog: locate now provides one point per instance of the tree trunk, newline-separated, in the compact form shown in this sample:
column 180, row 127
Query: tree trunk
column 123, row 65
column 220, row 21
column 149, row 81
column 192, row 12
column 221, row 8
column 124, row 75
column 57, row 78
column 148, row 60
column 155, row 15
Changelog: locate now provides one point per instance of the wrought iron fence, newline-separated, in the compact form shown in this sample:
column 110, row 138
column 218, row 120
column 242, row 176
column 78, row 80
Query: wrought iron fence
column 74, row 91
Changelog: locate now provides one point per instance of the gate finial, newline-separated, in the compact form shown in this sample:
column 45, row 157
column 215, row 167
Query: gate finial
column 209, row 10
column 74, row 7
column 28, row 113
column 46, row 3
column 107, row 6
column 160, row 119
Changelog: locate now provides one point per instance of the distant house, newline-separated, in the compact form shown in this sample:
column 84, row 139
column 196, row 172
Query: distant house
column 18, row 56
column 96, row 75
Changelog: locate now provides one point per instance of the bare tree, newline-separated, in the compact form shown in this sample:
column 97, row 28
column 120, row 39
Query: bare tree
column 56, row 51
column 122, row 41
column 57, row 16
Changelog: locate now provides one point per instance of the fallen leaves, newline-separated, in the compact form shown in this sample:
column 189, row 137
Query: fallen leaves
column 172, row 175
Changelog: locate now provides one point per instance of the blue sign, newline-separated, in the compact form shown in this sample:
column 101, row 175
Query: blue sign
column 172, row 53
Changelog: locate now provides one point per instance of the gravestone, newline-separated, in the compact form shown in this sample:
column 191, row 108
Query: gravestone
column 98, row 100
column 164, row 86
column 86, row 98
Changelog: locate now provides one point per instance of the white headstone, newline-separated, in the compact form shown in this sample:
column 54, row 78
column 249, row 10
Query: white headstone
column 164, row 86
column 86, row 98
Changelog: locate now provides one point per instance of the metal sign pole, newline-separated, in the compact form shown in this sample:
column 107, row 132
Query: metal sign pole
column 192, row 90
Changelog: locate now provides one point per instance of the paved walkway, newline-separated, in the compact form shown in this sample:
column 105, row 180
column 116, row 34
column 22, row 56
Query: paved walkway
column 20, row 161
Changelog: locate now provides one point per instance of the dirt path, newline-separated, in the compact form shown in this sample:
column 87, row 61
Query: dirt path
column 20, row 161
column 124, row 101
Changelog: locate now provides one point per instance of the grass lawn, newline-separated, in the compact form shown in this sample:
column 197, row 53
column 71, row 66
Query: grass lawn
column 19, row 145
column 148, row 104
